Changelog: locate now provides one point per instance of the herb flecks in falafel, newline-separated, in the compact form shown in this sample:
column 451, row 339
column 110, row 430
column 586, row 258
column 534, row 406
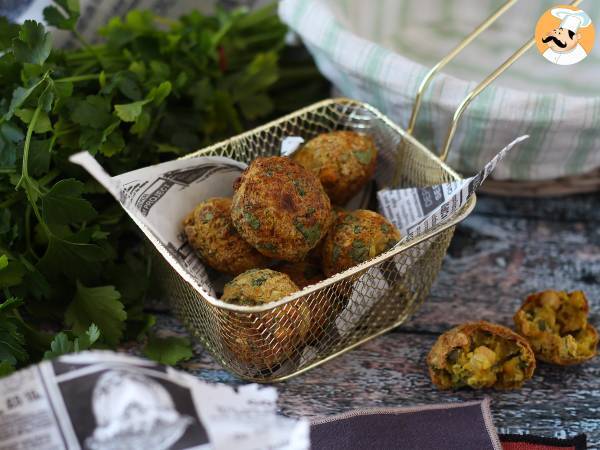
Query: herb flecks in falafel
column 280, row 208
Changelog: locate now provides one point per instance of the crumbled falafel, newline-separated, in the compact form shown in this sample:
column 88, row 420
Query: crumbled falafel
column 211, row 234
column 480, row 355
column 556, row 325
column 344, row 162
column 280, row 208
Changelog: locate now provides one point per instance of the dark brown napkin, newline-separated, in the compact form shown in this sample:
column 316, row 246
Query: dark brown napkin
column 462, row 426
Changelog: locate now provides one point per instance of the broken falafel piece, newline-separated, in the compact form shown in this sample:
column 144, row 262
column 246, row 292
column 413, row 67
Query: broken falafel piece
column 480, row 355
column 556, row 325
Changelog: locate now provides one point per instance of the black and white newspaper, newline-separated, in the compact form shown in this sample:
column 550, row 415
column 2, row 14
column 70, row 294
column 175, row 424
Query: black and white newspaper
column 102, row 400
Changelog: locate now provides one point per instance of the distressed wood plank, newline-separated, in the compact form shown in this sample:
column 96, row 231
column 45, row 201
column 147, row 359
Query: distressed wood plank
column 505, row 250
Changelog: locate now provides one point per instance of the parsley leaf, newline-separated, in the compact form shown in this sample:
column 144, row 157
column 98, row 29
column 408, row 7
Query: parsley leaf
column 63, row 203
column 33, row 44
column 62, row 344
column 100, row 305
column 65, row 19
column 168, row 350
column 12, row 341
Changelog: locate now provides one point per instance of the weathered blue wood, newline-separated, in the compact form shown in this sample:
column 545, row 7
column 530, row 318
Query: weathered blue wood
column 505, row 250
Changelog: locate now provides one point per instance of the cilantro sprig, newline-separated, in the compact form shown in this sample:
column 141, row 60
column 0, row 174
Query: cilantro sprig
column 73, row 272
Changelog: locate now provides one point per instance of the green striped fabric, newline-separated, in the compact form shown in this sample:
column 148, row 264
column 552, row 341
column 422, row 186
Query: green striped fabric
column 379, row 51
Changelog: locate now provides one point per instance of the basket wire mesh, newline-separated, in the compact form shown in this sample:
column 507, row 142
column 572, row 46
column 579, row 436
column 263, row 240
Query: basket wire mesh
column 278, row 340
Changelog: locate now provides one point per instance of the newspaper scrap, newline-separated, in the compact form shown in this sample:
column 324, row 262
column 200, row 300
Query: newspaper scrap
column 103, row 400
column 417, row 210
column 290, row 144
column 414, row 211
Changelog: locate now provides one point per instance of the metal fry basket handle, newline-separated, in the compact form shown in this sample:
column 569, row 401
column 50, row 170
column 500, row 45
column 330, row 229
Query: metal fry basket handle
column 480, row 87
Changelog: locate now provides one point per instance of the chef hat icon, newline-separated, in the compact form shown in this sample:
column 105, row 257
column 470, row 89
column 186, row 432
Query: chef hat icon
column 572, row 20
column 133, row 411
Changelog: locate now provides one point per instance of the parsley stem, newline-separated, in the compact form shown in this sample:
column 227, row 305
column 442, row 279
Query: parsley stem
column 25, row 171
column 92, row 76
column 28, row 232
column 83, row 41
column 25, row 168
column 11, row 201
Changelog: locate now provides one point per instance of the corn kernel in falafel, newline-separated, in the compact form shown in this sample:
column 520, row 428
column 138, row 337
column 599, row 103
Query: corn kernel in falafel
column 480, row 355
column 280, row 208
column 211, row 234
column 344, row 161
column 355, row 237
column 555, row 324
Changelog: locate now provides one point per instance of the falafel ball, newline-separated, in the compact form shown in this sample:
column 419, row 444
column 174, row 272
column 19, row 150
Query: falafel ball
column 357, row 236
column 480, row 355
column 303, row 273
column 344, row 161
column 211, row 234
column 266, row 339
column 280, row 208
column 324, row 306
column 556, row 325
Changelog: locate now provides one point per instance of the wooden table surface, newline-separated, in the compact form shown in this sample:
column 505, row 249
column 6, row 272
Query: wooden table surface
column 506, row 249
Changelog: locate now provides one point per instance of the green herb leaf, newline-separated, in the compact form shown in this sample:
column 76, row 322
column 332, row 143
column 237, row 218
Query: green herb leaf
column 33, row 44
column 63, row 204
column 129, row 112
column 74, row 257
column 10, row 137
column 6, row 368
column 359, row 252
column 98, row 305
column 12, row 341
column 363, row 156
column 311, row 234
column 62, row 344
column 8, row 31
column 252, row 220
column 92, row 112
column 42, row 125
column 65, row 19
column 168, row 350
column 11, row 272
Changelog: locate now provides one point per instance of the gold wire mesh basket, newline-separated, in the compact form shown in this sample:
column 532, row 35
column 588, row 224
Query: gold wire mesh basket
column 278, row 340
column 281, row 339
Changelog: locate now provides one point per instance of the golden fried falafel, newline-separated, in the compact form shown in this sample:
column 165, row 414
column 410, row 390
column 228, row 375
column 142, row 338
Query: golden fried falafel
column 355, row 237
column 211, row 234
column 303, row 273
column 268, row 338
column 555, row 324
column 280, row 208
column 344, row 161
column 480, row 355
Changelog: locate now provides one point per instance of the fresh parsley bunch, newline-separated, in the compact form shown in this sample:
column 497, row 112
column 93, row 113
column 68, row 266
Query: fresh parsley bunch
column 72, row 271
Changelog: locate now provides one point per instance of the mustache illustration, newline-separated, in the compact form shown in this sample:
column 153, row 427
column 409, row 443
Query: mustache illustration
column 556, row 41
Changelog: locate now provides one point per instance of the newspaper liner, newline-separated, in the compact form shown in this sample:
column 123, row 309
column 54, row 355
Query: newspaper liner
column 159, row 197
column 103, row 400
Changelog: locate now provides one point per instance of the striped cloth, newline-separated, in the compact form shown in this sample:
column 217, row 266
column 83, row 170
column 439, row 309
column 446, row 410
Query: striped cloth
column 379, row 51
